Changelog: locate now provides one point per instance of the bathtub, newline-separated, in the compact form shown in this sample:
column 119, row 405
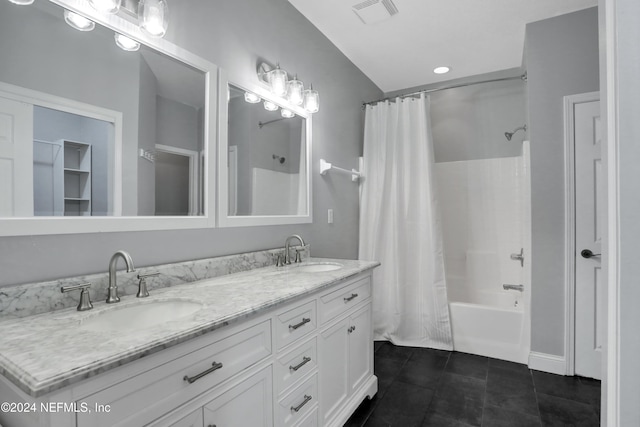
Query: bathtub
column 488, row 330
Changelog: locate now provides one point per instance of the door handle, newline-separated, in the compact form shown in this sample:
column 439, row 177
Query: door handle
column 586, row 253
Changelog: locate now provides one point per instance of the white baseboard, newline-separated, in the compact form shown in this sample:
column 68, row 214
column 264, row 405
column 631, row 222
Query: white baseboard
column 547, row 363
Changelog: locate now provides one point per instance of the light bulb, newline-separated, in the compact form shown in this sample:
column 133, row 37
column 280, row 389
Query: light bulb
column 125, row 43
column 287, row 114
column 106, row 6
column 295, row 92
column 22, row 2
column 78, row 22
column 270, row 106
column 441, row 70
column 251, row 98
column 278, row 81
column 153, row 16
column 311, row 100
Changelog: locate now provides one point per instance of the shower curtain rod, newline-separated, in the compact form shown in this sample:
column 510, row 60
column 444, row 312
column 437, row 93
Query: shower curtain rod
column 406, row 95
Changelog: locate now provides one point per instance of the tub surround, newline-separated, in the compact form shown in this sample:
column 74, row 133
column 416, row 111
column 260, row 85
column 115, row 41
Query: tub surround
column 43, row 297
column 49, row 351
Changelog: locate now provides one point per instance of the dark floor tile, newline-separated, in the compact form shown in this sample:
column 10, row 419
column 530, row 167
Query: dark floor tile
column 377, row 345
column 375, row 422
column 565, row 387
column 422, row 372
column 435, row 420
column 469, row 365
column 403, row 405
column 511, row 390
column 460, row 398
column 363, row 413
column 498, row 417
column 556, row 412
column 390, row 351
column 429, row 354
column 386, row 370
column 510, row 370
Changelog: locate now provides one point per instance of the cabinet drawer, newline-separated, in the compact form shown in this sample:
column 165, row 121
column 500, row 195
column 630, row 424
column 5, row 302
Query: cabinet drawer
column 310, row 420
column 248, row 404
column 296, row 405
column 334, row 303
column 291, row 367
column 145, row 397
column 295, row 323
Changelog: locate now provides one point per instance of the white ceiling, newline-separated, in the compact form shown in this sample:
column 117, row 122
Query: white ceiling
column 472, row 37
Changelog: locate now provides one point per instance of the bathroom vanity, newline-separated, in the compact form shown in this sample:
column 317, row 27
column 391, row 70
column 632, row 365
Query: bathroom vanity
column 290, row 346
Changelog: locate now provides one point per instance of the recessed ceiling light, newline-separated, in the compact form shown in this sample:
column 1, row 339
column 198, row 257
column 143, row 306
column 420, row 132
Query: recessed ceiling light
column 441, row 70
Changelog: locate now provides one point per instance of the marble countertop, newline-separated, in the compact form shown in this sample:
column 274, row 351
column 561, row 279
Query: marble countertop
column 49, row 351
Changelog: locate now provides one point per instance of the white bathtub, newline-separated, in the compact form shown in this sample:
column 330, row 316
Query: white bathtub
column 490, row 331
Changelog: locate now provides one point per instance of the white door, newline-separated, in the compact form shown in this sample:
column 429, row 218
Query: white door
column 589, row 291
column 16, row 158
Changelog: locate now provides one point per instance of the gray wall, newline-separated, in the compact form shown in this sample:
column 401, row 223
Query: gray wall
column 627, row 62
column 562, row 59
column 235, row 34
column 469, row 123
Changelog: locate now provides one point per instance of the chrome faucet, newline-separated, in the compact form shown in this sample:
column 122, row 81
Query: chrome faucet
column 507, row 287
column 112, row 295
column 287, row 257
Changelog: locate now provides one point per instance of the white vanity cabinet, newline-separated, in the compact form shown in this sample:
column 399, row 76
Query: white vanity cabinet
column 305, row 362
column 346, row 353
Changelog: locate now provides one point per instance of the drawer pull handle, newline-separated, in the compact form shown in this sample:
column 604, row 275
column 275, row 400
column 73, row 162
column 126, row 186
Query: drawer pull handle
column 214, row 367
column 304, row 402
column 351, row 297
column 305, row 320
column 305, row 360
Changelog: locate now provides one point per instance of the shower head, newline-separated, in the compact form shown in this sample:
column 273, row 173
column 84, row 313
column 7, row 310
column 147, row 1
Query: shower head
column 509, row 135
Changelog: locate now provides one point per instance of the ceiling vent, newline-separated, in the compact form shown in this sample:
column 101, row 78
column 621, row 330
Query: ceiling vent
column 373, row 11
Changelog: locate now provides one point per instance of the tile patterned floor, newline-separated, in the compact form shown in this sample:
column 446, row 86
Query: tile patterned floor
column 424, row 387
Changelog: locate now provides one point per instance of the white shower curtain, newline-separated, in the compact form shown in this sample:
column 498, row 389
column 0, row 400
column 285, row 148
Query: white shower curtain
column 400, row 226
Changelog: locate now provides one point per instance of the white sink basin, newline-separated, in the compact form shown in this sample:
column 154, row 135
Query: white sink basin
column 140, row 316
column 317, row 267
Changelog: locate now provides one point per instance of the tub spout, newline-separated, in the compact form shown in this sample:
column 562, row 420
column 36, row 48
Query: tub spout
column 507, row 287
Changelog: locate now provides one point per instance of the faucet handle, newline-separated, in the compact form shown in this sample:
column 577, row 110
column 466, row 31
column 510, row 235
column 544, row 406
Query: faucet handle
column 279, row 261
column 85, row 297
column 143, row 292
column 298, row 255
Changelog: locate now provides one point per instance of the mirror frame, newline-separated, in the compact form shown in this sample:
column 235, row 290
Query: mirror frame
column 70, row 225
column 224, row 220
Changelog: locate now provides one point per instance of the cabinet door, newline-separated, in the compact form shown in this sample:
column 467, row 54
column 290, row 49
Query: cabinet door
column 334, row 365
column 360, row 348
column 249, row 403
column 194, row 419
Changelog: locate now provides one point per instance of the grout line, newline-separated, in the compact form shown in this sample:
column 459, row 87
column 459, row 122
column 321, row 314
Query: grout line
column 535, row 392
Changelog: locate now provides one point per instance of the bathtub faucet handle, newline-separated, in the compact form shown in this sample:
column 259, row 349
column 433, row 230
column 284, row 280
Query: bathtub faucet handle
column 507, row 287
column 519, row 257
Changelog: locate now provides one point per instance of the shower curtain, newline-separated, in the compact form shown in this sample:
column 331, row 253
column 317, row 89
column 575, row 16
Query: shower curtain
column 400, row 226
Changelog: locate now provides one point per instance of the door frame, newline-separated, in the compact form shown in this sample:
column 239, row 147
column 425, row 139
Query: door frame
column 194, row 182
column 570, row 225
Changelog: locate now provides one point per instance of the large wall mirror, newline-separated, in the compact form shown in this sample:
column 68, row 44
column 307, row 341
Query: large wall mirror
column 96, row 138
column 264, row 160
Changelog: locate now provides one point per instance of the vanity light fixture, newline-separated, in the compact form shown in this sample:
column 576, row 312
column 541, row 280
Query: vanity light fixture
column 125, row 43
column 22, row 2
column 78, row 22
column 442, row 70
column 311, row 100
column 287, row 114
column 153, row 17
column 270, row 106
column 106, row 6
column 278, row 81
column 295, row 91
column 252, row 98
